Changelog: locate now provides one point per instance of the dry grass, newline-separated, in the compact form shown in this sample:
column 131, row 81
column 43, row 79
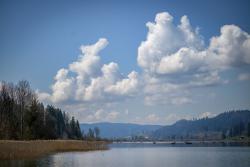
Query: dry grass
column 11, row 149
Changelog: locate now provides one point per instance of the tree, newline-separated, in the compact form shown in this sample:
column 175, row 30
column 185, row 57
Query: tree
column 78, row 131
column 241, row 127
column 97, row 132
column 73, row 128
column 248, row 129
column 91, row 134
column 223, row 136
column 24, row 96
column 30, row 118
column 6, row 108
column 83, row 135
column 231, row 134
column 8, row 114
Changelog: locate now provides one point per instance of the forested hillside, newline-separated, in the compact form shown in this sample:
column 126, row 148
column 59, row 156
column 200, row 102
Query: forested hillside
column 22, row 116
column 228, row 124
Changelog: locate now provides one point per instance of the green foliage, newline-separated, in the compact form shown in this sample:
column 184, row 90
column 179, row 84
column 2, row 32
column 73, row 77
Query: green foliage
column 22, row 116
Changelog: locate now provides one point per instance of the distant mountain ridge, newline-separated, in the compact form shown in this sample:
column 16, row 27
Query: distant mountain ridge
column 233, row 123
column 120, row 130
column 227, row 124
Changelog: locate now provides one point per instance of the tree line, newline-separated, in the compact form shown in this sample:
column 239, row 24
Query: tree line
column 92, row 134
column 23, row 117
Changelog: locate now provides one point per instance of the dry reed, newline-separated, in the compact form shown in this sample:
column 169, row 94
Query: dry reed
column 11, row 149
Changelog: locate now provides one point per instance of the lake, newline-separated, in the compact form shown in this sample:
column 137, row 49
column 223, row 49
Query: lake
column 147, row 155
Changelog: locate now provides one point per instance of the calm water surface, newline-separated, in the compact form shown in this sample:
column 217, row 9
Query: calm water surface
column 146, row 155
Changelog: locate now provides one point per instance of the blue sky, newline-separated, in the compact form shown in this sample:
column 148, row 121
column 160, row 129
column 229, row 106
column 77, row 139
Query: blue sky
column 38, row 38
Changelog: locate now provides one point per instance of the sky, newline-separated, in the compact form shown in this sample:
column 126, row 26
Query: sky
column 146, row 62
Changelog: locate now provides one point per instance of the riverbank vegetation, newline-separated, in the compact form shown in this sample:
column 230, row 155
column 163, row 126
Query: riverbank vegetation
column 27, row 127
column 10, row 149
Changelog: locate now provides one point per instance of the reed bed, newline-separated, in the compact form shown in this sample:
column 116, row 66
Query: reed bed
column 11, row 149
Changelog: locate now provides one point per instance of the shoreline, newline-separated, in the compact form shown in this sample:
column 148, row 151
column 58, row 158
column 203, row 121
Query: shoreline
column 191, row 143
column 30, row 149
column 184, row 141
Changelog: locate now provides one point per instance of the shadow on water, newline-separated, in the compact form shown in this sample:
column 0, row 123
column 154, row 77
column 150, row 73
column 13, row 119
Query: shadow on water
column 41, row 162
column 18, row 163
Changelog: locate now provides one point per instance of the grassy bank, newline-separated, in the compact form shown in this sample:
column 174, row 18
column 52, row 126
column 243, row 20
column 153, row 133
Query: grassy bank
column 11, row 149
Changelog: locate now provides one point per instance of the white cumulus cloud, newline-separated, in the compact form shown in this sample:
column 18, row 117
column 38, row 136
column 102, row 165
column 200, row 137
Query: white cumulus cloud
column 164, row 40
column 87, row 80
column 172, row 49
column 174, row 61
column 174, row 58
column 63, row 86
